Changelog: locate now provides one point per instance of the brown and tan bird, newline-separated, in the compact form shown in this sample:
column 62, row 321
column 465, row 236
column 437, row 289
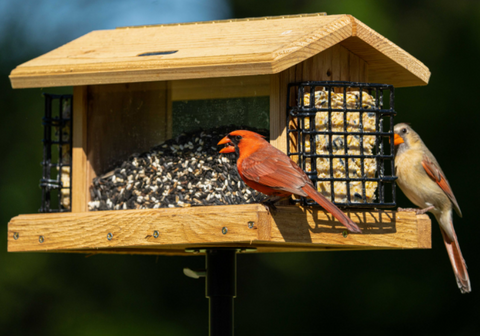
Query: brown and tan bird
column 424, row 183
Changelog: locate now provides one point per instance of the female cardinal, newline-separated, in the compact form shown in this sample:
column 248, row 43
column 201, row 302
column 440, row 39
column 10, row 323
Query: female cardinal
column 423, row 182
column 266, row 169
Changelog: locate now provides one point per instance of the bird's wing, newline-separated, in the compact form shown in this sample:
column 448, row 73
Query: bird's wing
column 273, row 168
column 434, row 171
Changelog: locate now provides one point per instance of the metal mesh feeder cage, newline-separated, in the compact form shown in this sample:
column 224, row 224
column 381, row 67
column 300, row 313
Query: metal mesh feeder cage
column 341, row 134
column 57, row 154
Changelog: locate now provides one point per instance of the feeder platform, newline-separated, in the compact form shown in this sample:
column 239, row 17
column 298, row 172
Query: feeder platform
column 248, row 227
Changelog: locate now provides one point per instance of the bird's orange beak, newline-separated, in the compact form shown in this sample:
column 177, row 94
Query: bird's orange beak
column 229, row 148
column 397, row 139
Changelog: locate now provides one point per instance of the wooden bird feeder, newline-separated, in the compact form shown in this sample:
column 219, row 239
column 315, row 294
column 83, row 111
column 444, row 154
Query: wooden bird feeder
column 134, row 88
column 125, row 85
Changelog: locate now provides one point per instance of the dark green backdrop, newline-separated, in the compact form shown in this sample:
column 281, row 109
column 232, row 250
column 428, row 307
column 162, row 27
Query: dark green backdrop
column 361, row 293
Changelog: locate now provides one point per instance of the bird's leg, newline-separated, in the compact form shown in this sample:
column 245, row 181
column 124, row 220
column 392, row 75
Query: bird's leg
column 417, row 211
column 269, row 203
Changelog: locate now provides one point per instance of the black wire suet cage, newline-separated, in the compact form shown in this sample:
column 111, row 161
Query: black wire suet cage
column 341, row 134
column 57, row 154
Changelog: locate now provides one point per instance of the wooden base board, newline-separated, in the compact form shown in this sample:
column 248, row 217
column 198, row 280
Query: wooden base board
column 250, row 227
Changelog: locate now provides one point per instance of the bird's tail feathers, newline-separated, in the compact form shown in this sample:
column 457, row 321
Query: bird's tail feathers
column 458, row 263
column 332, row 208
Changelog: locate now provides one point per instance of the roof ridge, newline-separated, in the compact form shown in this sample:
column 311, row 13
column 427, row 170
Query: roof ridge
column 230, row 20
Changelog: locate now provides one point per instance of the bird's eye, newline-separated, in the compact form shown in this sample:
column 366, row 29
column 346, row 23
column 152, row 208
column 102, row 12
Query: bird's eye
column 238, row 137
column 404, row 130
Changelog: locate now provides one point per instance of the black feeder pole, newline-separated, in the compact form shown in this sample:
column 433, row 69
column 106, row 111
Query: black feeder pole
column 220, row 289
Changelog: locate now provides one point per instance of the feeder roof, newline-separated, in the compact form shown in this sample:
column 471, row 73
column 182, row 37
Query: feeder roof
column 255, row 46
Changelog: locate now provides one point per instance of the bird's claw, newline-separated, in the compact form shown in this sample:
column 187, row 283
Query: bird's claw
column 416, row 210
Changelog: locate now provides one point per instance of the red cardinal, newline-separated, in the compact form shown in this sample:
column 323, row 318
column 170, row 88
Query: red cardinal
column 266, row 169
column 424, row 183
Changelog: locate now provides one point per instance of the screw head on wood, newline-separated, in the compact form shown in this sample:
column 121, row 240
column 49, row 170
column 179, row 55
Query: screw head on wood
column 15, row 235
column 41, row 239
column 156, row 234
column 251, row 225
column 109, row 236
column 224, row 230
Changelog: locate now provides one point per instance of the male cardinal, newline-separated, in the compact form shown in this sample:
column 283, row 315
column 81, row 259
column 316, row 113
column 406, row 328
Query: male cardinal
column 424, row 183
column 266, row 169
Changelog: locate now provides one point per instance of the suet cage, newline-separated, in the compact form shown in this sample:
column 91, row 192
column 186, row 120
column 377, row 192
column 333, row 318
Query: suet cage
column 57, row 154
column 341, row 134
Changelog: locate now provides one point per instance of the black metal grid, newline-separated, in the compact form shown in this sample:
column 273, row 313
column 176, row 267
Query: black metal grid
column 57, row 154
column 382, row 152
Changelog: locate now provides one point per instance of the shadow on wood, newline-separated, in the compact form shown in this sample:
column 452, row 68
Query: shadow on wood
column 297, row 224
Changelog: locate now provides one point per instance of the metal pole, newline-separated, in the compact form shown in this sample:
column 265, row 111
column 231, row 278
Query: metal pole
column 221, row 289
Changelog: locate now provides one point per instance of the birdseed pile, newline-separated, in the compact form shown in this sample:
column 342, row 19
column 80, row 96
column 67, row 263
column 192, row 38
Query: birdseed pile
column 181, row 172
column 338, row 145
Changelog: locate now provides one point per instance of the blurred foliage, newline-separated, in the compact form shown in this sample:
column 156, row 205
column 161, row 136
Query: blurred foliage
column 371, row 292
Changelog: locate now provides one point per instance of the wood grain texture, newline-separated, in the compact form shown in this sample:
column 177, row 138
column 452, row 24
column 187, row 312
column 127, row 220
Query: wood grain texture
column 135, row 228
column 424, row 231
column 79, row 151
column 379, row 228
column 387, row 62
column 216, row 49
column 277, row 114
column 291, row 229
column 221, row 88
column 336, row 63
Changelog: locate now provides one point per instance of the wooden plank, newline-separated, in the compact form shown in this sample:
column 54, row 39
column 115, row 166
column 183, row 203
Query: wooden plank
column 80, row 192
column 277, row 126
column 186, row 250
column 198, row 249
column 228, row 49
column 293, row 228
column 424, row 227
column 335, row 63
column 221, row 88
column 264, row 226
column 379, row 228
column 278, row 108
column 124, row 119
column 92, row 230
column 203, row 51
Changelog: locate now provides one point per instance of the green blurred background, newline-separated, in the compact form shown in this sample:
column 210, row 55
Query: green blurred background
column 363, row 293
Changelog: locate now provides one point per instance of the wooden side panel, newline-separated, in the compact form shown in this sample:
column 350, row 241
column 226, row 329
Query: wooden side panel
column 79, row 150
column 278, row 108
column 291, row 229
column 124, row 119
column 336, row 63
column 276, row 112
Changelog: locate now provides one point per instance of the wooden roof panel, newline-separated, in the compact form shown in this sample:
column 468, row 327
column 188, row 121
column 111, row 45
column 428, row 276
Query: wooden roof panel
column 208, row 49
